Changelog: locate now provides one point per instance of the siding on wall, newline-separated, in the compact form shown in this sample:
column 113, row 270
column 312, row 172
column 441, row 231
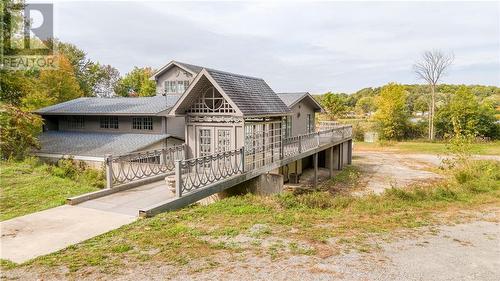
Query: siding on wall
column 176, row 126
column 173, row 74
column 92, row 124
column 299, row 123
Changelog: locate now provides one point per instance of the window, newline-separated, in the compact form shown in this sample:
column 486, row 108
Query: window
column 142, row 123
column 212, row 98
column 205, row 142
column 287, row 126
column 76, row 122
column 223, row 140
column 310, row 123
column 176, row 87
column 109, row 122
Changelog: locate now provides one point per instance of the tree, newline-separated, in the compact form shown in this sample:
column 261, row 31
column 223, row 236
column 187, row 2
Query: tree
column 334, row 105
column 431, row 69
column 60, row 84
column 19, row 131
column 365, row 105
column 392, row 114
column 136, row 82
column 466, row 112
column 102, row 79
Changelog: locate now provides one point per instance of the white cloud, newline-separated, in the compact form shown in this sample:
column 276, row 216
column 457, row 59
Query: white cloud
column 297, row 46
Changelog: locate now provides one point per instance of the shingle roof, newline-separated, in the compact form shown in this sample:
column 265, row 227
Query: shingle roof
column 129, row 106
column 251, row 95
column 94, row 144
column 290, row 99
column 194, row 68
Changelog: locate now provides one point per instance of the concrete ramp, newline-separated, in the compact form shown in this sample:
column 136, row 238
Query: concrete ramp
column 130, row 201
column 27, row 237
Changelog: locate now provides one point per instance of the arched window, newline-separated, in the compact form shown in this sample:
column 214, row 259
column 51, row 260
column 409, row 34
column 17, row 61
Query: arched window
column 212, row 99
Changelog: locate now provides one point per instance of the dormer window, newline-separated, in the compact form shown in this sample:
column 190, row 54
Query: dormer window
column 176, row 87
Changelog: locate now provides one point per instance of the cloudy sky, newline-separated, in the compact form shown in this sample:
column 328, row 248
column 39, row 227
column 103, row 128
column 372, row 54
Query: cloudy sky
column 294, row 46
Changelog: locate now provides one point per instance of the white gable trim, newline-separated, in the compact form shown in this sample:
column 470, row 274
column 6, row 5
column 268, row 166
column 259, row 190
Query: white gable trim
column 311, row 98
column 205, row 73
column 169, row 65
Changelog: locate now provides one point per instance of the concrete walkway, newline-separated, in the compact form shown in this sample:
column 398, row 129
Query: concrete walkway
column 130, row 201
column 27, row 237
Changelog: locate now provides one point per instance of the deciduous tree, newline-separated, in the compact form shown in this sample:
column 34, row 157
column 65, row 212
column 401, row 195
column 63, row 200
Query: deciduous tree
column 431, row 69
column 392, row 111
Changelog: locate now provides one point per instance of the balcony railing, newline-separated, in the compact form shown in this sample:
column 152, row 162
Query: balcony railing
column 140, row 165
column 196, row 173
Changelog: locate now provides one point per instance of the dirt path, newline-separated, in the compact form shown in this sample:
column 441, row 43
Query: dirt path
column 382, row 170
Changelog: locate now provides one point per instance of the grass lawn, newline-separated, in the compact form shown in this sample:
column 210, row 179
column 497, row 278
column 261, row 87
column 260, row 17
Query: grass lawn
column 488, row 148
column 301, row 224
column 31, row 186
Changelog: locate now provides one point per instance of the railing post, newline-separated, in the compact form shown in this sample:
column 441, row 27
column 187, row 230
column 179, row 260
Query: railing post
column 282, row 148
column 317, row 138
column 242, row 153
column 185, row 150
column 300, row 144
column 108, row 160
column 178, row 179
column 164, row 156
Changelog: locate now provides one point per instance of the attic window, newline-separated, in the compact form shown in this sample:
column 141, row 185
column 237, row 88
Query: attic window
column 212, row 98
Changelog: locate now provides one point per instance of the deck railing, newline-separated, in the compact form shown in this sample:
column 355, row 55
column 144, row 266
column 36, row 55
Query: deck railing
column 196, row 173
column 140, row 165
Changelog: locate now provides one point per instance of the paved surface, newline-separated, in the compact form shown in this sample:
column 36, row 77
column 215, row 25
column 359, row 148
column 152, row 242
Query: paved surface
column 45, row 232
column 41, row 233
column 129, row 202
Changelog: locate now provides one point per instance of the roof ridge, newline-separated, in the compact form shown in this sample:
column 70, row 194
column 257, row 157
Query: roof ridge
column 234, row 74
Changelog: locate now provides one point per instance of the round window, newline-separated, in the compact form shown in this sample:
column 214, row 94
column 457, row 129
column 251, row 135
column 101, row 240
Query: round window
column 212, row 98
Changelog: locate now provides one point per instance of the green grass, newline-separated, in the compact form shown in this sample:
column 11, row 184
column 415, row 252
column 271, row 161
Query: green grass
column 311, row 219
column 487, row 148
column 30, row 186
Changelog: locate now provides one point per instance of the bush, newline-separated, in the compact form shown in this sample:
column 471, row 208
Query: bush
column 19, row 130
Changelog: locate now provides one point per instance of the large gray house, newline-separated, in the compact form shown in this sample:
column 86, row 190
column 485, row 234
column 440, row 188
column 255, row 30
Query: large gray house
column 208, row 110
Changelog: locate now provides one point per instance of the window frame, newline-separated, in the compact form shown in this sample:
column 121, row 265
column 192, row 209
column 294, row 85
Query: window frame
column 109, row 122
column 142, row 123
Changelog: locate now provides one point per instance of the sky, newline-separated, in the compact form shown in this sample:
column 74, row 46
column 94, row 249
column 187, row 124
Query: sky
column 295, row 46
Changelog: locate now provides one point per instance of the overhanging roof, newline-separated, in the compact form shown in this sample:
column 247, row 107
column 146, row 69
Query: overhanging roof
column 291, row 99
column 249, row 95
column 112, row 106
column 95, row 144
column 191, row 68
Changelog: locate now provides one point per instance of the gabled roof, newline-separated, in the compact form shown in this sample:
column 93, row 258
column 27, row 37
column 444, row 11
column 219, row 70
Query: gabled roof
column 191, row 68
column 112, row 106
column 251, row 96
column 291, row 99
column 95, row 144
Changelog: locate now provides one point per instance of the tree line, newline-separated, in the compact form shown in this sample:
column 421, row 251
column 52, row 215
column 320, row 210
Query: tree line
column 398, row 111
column 76, row 75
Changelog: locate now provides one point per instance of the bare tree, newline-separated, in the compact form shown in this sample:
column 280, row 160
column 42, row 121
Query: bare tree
column 431, row 69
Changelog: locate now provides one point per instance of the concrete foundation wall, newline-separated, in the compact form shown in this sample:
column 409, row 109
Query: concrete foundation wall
column 265, row 184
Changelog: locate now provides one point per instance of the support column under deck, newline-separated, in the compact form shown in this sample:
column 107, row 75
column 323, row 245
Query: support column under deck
column 336, row 157
column 315, row 163
column 349, row 152
column 329, row 152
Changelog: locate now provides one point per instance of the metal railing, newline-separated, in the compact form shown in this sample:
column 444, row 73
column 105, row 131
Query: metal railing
column 193, row 174
column 198, row 172
column 139, row 165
